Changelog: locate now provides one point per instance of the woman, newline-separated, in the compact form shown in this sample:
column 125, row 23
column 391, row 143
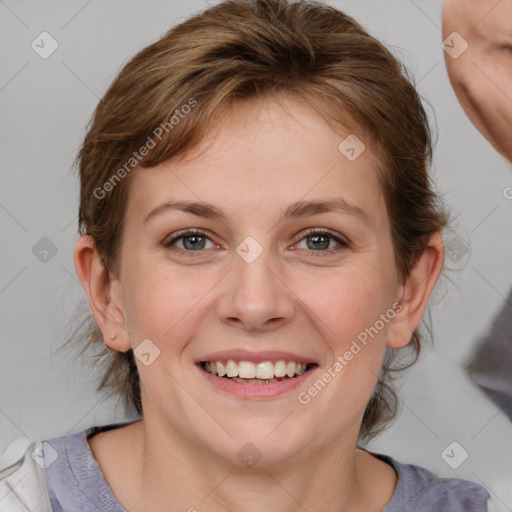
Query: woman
column 259, row 239
column 481, row 78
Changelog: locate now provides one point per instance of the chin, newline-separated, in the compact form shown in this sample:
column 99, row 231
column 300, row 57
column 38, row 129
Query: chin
column 250, row 447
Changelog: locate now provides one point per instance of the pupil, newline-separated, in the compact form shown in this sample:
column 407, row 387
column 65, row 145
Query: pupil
column 323, row 245
column 194, row 244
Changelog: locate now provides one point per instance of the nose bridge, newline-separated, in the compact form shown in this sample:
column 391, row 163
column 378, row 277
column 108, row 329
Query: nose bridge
column 255, row 282
column 256, row 295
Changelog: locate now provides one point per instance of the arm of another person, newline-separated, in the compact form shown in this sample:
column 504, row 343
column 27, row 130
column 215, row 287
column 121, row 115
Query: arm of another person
column 22, row 479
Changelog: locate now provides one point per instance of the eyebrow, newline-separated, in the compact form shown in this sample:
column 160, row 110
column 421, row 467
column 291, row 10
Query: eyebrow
column 293, row 211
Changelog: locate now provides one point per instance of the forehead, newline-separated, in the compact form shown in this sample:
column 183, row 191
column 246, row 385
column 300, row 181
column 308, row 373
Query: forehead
column 264, row 154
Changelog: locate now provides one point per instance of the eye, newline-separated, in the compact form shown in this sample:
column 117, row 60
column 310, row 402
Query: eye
column 192, row 240
column 195, row 240
column 321, row 240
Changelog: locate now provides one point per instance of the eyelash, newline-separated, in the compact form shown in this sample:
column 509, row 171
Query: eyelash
column 343, row 244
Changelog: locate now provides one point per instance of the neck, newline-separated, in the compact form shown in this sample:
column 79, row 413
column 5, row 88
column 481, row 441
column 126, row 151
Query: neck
column 174, row 471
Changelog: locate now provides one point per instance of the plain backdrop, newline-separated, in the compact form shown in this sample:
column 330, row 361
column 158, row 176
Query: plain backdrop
column 45, row 105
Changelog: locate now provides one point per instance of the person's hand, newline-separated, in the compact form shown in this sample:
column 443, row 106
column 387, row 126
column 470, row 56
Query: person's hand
column 481, row 76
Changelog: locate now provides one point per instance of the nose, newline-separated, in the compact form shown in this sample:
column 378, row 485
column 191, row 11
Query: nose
column 255, row 297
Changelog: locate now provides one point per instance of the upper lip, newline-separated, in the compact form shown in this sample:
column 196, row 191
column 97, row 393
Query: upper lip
column 255, row 357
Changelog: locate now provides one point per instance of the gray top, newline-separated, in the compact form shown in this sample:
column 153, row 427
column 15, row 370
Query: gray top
column 75, row 482
column 491, row 363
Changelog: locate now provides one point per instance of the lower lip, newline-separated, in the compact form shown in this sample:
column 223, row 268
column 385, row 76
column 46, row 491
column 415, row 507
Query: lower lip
column 269, row 390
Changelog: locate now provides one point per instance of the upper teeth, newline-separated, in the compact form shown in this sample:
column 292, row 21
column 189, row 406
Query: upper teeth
column 250, row 370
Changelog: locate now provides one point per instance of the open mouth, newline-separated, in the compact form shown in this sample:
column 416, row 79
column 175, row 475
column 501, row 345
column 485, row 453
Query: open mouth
column 248, row 372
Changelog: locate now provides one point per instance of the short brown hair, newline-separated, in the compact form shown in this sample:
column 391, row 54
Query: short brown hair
column 243, row 49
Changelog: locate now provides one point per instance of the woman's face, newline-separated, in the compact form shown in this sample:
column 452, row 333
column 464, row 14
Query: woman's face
column 253, row 285
column 480, row 65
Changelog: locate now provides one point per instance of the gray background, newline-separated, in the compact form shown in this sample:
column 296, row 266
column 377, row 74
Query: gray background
column 45, row 105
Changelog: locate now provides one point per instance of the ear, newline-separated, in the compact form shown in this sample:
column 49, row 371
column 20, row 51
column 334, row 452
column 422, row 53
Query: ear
column 415, row 292
column 103, row 293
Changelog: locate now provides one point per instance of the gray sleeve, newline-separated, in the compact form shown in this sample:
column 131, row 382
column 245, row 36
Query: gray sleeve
column 491, row 364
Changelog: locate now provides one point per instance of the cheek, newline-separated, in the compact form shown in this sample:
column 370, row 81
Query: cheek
column 472, row 89
column 347, row 302
column 352, row 310
column 491, row 112
column 483, row 84
column 158, row 301
column 492, row 87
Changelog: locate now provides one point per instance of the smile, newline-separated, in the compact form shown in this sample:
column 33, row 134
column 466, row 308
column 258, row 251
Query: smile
column 263, row 379
column 261, row 374
column 248, row 372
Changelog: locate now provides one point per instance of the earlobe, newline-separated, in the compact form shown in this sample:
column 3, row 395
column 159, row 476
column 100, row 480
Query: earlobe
column 102, row 289
column 415, row 293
